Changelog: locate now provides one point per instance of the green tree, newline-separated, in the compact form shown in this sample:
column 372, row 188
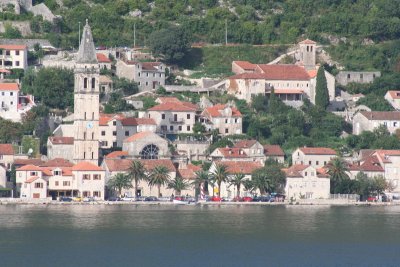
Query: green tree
column 120, row 181
column 198, row 128
column 171, row 43
column 11, row 32
column 202, row 179
column 337, row 171
column 178, row 184
column 159, row 176
column 220, row 175
column 237, row 180
column 321, row 92
column 137, row 172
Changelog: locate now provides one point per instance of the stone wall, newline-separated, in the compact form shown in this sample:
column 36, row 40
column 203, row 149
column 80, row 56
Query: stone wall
column 23, row 26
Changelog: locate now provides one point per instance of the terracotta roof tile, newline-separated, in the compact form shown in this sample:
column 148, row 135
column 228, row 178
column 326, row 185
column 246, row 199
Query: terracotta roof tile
column 381, row 115
column 170, row 106
column 21, row 162
column 138, row 136
column 105, row 118
column 121, row 165
column 29, row 168
column 189, row 172
column 284, row 72
column 217, row 111
column 101, row 58
column 244, row 167
column 9, row 87
column 61, row 140
column 137, row 121
column 116, row 154
column 245, row 143
column 233, row 152
column 317, row 151
column 13, row 47
column 394, row 94
column 32, row 179
column 6, row 149
column 57, row 162
column 245, row 65
column 86, row 166
column 150, row 65
column 273, row 150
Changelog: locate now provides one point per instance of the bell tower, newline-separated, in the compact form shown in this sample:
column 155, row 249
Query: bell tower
column 308, row 54
column 86, row 101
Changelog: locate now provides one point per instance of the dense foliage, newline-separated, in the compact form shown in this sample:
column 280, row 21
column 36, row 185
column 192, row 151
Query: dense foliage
column 321, row 92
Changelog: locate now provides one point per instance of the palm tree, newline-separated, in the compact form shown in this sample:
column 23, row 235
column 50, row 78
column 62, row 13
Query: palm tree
column 202, row 178
column 178, row 184
column 120, row 181
column 220, row 175
column 159, row 176
column 237, row 180
column 137, row 172
column 337, row 170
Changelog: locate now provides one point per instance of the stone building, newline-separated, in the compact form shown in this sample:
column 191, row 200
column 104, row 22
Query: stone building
column 346, row 77
column 13, row 104
column 227, row 119
column 60, row 147
column 146, row 145
column 316, row 157
column 104, row 62
column 369, row 120
column 13, row 56
column 393, row 97
column 148, row 75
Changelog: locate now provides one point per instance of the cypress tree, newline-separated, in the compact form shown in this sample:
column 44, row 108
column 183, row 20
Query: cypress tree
column 321, row 92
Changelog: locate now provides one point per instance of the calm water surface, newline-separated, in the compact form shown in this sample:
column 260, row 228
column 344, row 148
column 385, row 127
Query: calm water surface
column 199, row 236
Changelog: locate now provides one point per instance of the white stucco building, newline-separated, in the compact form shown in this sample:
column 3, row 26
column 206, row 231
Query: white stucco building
column 369, row 120
column 316, row 157
column 13, row 104
column 13, row 57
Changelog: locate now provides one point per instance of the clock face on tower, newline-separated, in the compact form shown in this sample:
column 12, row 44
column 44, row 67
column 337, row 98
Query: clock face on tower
column 89, row 125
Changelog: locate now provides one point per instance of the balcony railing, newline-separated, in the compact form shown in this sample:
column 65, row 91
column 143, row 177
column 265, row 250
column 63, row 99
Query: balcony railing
column 177, row 121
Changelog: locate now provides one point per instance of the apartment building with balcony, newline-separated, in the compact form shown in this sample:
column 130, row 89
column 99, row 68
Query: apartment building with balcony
column 13, row 56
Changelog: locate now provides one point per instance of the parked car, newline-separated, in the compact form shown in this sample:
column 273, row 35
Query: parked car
column 65, row 199
column 216, row 199
column 164, row 199
column 114, row 199
column 88, row 199
column 371, row 199
column 262, row 199
column 77, row 199
column 141, row 198
column 151, row 198
column 247, row 199
column 129, row 199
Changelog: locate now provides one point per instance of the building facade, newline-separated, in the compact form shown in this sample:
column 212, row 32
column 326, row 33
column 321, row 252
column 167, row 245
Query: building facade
column 226, row 119
column 369, row 120
column 13, row 57
column 316, row 157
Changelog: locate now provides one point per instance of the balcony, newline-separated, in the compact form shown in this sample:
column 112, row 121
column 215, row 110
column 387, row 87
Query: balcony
column 176, row 121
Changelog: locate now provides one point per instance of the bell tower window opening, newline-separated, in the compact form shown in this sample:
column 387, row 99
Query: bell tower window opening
column 85, row 81
column 93, row 83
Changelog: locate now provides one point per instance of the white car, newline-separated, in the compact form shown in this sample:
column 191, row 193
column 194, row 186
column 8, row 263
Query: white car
column 130, row 199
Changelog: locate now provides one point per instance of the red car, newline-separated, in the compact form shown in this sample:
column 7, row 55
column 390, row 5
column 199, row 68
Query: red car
column 216, row 199
column 247, row 199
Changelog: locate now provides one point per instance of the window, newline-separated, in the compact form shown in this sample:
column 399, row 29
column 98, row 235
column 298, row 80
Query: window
column 66, row 183
column 93, row 83
column 149, row 152
column 154, row 75
column 147, row 75
column 103, row 133
column 348, row 76
column 38, row 185
column 2, row 93
column 7, row 52
column 96, row 177
column 114, row 144
column 57, row 172
column 56, row 183
column 236, row 120
column 162, row 116
column 33, row 173
column 92, row 155
column 86, row 194
column 96, row 194
column 139, row 74
column 104, row 143
column 84, row 135
column 305, row 173
column 309, row 163
column 92, row 136
column 394, row 124
column 126, row 133
column 188, row 116
column 17, row 52
column 114, row 133
column 160, row 75
column 11, row 103
column 86, row 177
column 147, row 83
column 114, row 123
column 188, row 128
column 84, row 116
column 85, row 81
column 84, row 155
column 171, row 127
column 139, row 83
column 180, row 128
column 361, row 76
column 226, row 130
column 17, row 63
column 317, row 162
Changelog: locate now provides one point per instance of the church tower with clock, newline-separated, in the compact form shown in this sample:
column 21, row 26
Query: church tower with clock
column 86, row 101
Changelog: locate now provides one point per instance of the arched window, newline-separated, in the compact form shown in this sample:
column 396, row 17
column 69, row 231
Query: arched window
column 149, row 152
column 85, row 81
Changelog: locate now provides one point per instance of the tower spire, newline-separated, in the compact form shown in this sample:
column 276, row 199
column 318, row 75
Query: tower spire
column 87, row 52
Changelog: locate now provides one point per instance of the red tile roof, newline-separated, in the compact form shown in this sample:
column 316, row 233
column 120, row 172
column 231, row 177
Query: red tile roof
column 138, row 136
column 244, row 167
column 105, row 118
column 86, row 166
column 32, row 179
column 189, row 172
column 21, row 162
column 381, row 115
column 307, row 41
column 137, row 121
column 150, row 65
column 29, row 168
column 233, row 152
column 169, row 106
column 61, row 140
column 6, row 149
column 121, row 165
column 273, row 150
column 394, row 94
column 317, row 151
column 295, row 171
column 217, row 111
column 116, row 154
column 57, row 162
column 312, row 73
column 101, row 58
column 371, row 164
column 284, row 72
column 13, row 47
column 245, row 143
column 245, row 65
column 9, row 87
